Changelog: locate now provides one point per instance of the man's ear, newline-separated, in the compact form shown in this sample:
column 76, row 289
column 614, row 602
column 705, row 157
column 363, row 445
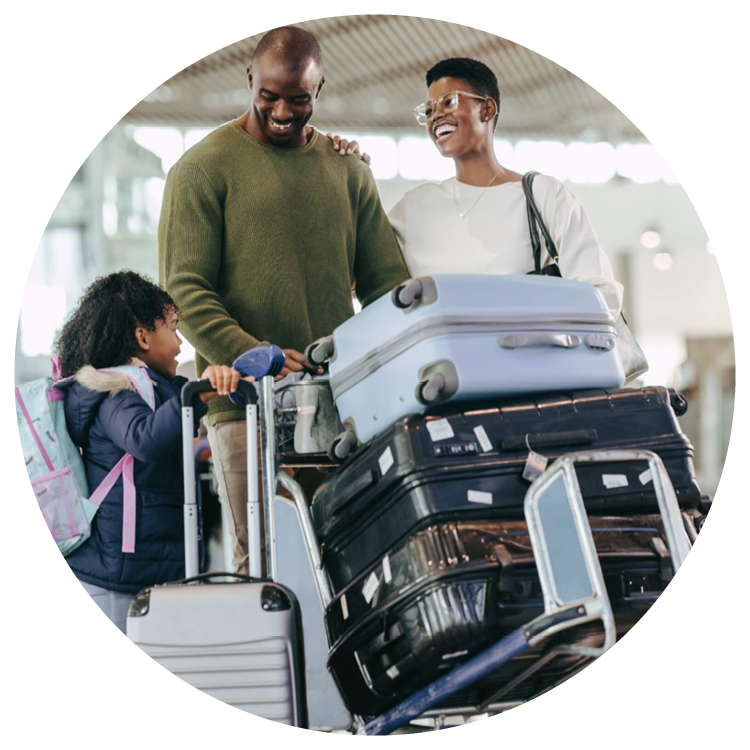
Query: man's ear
column 250, row 77
column 490, row 110
column 320, row 86
column 141, row 338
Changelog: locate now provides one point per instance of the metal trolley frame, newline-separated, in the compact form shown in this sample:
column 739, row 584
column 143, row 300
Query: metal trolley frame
column 569, row 570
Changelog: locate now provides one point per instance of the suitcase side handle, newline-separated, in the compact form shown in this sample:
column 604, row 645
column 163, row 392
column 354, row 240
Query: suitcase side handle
column 550, row 439
column 353, row 490
column 542, row 338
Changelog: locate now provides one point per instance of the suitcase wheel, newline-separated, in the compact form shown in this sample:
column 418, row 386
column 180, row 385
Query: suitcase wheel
column 679, row 404
column 429, row 391
column 320, row 351
column 342, row 445
column 406, row 294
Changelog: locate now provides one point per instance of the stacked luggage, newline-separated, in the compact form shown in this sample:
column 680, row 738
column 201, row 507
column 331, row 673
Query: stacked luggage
column 422, row 529
column 444, row 339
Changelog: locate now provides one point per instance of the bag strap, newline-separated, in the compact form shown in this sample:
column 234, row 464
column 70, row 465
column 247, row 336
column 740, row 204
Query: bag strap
column 123, row 467
column 56, row 363
column 536, row 223
column 141, row 381
column 34, row 433
column 533, row 231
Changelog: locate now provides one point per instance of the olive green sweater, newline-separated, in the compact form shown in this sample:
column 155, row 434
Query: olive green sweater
column 260, row 244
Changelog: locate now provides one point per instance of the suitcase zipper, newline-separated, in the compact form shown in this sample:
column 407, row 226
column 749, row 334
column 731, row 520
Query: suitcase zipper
column 376, row 358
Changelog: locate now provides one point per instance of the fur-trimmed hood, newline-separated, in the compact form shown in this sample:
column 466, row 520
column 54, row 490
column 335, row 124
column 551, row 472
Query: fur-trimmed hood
column 87, row 390
column 103, row 381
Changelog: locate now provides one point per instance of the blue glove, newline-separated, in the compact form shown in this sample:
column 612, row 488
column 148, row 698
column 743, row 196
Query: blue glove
column 257, row 363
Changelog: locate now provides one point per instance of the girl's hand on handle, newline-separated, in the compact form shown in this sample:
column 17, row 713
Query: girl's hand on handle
column 224, row 380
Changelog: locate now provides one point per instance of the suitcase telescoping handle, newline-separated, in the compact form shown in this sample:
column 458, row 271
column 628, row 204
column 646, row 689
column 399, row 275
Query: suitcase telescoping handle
column 191, row 390
column 208, row 576
column 188, row 395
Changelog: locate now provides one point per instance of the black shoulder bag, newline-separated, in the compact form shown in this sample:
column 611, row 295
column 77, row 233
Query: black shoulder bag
column 633, row 359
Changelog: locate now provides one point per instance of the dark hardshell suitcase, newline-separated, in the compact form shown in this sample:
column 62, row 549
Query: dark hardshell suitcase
column 469, row 464
column 455, row 588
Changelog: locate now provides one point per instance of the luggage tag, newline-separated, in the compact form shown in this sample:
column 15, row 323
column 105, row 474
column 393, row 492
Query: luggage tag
column 483, row 438
column 440, row 429
column 371, row 589
column 536, row 464
column 613, row 481
column 372, row 584
column 387, row 575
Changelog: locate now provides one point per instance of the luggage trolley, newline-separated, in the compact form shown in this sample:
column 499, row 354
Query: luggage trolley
column 577, row 625
column 305, row 423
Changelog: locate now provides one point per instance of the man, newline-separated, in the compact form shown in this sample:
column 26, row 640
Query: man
column 264, row 231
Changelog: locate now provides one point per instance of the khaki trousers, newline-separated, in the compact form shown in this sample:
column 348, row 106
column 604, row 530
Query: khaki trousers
column 228, row 441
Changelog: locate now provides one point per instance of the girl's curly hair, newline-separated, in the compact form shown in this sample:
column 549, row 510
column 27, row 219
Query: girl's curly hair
column 101, row 330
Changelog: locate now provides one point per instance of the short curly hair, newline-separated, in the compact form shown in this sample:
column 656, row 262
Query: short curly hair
column 101, row 330
column 480, row 78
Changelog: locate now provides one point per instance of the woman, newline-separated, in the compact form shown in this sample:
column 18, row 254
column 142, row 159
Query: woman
column 476, row 222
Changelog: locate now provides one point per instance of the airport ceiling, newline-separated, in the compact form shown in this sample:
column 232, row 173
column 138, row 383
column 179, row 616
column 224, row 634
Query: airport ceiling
column 375, row 68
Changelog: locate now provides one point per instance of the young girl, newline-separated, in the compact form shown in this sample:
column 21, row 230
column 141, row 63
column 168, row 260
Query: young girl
column 124, row 319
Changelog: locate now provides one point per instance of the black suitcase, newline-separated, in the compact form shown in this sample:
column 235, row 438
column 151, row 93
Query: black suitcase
column 455, row 588
column 412, row 474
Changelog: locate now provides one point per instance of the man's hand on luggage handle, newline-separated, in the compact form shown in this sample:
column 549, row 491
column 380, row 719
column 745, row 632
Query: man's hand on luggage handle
column 224, row 379
column 347, row 148
column 296, row 362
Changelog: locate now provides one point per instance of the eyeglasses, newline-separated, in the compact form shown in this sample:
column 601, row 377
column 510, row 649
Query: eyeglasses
column 448, row 102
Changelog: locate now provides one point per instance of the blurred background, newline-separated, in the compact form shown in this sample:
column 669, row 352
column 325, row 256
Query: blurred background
column 550, row 121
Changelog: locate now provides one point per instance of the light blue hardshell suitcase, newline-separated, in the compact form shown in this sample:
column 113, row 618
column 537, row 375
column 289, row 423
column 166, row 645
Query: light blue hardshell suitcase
column 447, row 338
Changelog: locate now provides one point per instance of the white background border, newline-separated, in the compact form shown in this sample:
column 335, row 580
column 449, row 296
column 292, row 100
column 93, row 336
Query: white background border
column 72, row 70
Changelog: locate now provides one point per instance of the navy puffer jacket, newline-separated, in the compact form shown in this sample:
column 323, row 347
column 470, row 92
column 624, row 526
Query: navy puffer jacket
column 106, row 419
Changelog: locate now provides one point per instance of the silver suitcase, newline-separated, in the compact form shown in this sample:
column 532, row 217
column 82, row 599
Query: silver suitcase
column 240, row 642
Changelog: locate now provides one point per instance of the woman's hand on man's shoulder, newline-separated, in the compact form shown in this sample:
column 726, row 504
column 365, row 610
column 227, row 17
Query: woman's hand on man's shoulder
column 347, row 148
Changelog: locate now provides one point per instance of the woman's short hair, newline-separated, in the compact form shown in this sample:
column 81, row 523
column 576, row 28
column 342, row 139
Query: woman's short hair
column 479, row 77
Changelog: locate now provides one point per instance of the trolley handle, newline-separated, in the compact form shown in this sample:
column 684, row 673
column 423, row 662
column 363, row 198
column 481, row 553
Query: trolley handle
column 191, row 390
column 219, row 574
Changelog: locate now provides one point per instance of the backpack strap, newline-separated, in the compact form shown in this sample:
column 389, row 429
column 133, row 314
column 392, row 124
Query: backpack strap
column 56, row 363
column 123, row 467
column 59, row 383
column 142, row 383
column 34, row 433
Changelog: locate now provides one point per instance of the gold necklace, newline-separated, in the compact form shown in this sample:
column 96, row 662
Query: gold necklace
column 455, row 182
